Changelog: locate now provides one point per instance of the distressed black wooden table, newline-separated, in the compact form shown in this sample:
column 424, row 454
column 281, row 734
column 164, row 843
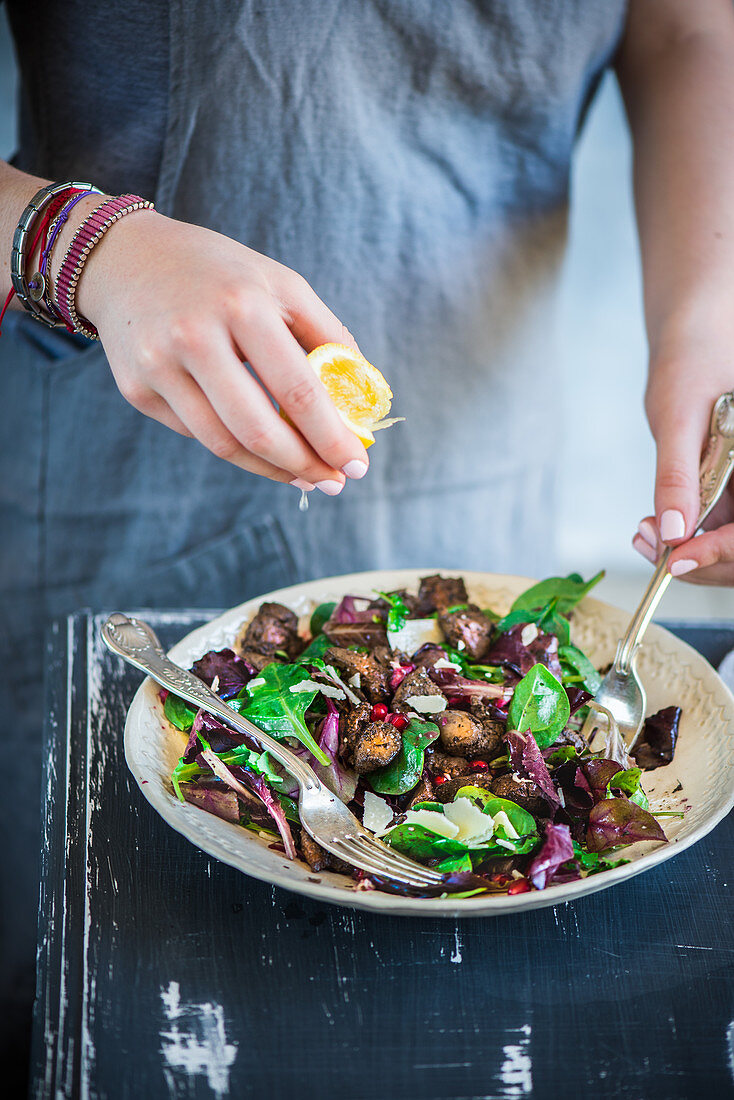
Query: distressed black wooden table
column 163, row 973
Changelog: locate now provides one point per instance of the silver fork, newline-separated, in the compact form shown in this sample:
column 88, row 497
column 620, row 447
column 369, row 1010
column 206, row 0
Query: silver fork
column 323, row 815
column 621, row 690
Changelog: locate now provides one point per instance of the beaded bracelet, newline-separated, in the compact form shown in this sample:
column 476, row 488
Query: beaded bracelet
column 88, row 235
column 22, row 237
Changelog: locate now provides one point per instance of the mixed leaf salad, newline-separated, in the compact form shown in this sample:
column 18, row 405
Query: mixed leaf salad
column 451, row 732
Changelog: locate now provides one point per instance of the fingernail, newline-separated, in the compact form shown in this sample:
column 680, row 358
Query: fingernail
column 648, row 532
column 331, row 488
column 355, row 469
column 644, row 548
column 685, row 565
column 672, row 525
column 299, row 483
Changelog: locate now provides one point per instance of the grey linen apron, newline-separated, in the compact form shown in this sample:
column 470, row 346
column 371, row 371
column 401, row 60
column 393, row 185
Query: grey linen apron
column 411, row 160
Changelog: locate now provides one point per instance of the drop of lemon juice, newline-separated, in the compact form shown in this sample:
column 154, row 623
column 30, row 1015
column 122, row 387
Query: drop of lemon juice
column 303, row 502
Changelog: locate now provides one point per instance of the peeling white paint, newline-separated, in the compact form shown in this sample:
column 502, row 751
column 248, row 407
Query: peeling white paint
column 456, row 955
column 196, row 1043
column 516, row 1071
column 730, row 1048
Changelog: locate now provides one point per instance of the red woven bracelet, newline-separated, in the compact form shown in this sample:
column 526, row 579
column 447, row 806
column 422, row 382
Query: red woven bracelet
column 89, row 234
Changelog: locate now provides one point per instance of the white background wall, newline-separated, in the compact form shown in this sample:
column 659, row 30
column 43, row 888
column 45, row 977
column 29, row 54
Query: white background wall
column 608, row 458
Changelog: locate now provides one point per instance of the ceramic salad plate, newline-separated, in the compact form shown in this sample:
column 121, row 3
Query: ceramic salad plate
column 699, row 782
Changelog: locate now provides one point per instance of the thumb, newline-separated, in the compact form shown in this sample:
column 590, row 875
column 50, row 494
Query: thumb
column 679, row 440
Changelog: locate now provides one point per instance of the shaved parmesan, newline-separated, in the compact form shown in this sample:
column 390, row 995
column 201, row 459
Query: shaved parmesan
column 331, row 672
column 502, row 821
column 434, row 821
column 257, row 683
column 473, row 827
column 443, row 663
column 529, row 634
column 377, row 813
column 355, row 681
column 415, row 633
column 426, row 704
column 325, row 689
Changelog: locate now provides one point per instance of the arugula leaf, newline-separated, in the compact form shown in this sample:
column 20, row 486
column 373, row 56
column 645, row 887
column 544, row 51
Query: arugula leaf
column 402, row 773
column 319, row 616
column 539, row 704
column 568, row 591
column 592, row 862
column 629, row 783
column 179, row 713
column 274, row 708
column 399, row 611
column 575, row 659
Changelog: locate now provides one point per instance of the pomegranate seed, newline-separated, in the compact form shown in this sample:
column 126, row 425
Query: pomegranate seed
column 397, row 678
column 479, row 766
column 519, row 886
column 398, row 720
column 439, row 779
column 408, row 666
column 379, row 712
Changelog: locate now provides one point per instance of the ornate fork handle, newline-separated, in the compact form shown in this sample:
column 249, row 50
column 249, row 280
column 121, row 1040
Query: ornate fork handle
column 716, row 467
column 134, row 641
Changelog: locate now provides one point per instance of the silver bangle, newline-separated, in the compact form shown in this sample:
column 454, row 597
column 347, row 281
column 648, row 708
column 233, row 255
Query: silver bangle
column 24, row 229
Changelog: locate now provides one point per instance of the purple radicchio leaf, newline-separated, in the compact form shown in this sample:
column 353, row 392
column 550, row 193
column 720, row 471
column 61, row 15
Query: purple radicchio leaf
column 223, row 665
column 656, row 744
column 454, row 684
column 220, row 737
column 616, row 822
column 594, row 775
column 220, row 801
column 527, row 762
column 510, row 652
column 557, row 849
column 455, row 882
column 342, row 781
column 354, row 609
column 577, row 697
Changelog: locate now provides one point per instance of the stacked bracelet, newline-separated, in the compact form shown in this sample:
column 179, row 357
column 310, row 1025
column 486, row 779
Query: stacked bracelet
column 88, row 235
column 23, row 238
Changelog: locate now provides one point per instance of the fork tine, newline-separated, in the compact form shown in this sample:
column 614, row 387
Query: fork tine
column 363, row 857
column 383, row 852
column 359, row 858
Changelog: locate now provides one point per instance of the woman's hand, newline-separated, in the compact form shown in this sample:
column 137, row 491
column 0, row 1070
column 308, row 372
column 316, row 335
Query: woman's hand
column 683, row 386
column 180, row 308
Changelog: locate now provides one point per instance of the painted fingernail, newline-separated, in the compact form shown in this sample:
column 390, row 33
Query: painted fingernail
column 299, row 483
column 355, row 469
column 331, row 488
column 685, row 565
column 644, row 548
column 649, row 533
column 672, row 525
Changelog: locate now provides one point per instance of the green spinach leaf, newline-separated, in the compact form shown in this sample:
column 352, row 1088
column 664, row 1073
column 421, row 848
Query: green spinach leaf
column 539, row 704
column 274, row 708
column 575, row 659
column 402, row 773
column 629, row 783
column 179, row 713
column 319, row 616
column 315, row 650
column 566, row 590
